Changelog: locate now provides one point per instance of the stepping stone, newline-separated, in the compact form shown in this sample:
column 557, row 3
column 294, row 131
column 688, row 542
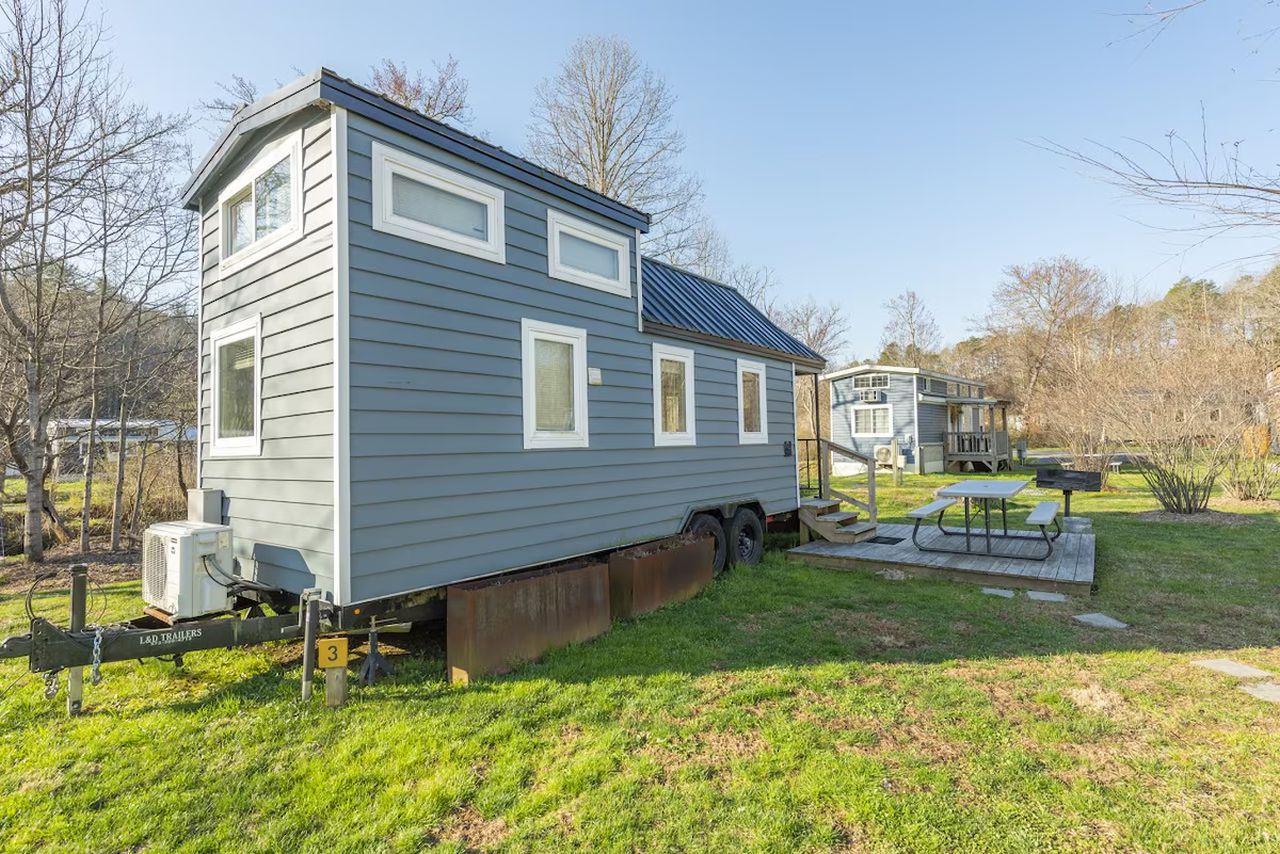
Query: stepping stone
column 1233, row 668
column 1040, row 596
column 1269, row 691
column 998, row 591
column 893, row 575
column 1100, row 621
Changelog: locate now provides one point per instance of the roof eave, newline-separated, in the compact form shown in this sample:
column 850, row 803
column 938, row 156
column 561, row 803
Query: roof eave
column 655, row 328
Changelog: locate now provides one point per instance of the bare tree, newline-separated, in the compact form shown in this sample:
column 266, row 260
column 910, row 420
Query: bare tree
column 911, row 331
column 605, row 120
column 63, row 116
column 238, row 92
column 1040, row 307
column 443, row 97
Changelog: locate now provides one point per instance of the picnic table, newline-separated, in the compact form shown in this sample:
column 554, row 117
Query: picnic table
column 985, row 492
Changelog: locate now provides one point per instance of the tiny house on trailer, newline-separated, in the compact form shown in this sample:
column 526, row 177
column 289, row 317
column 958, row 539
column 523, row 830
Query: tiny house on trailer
column 424, row 360
column 941, row 422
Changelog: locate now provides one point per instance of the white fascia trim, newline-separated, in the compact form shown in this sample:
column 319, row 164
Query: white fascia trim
column 534, row 439
column 388, row 161
column 640, row 286
column 853, row 420
column 685, row 356
column 290, row 146
column 795, row 430
column 200, row 360
column 240, row 446
column 762, row 437
column 341, row 363
column 558, row 222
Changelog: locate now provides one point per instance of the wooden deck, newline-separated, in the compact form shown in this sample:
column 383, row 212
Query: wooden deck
column 1068, row 569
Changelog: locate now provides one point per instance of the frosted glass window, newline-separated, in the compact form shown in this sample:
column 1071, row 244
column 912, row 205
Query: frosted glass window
column 751, row 402
column 554, row 382
column 588, row 257
column 434, row 206
column 674, row 417
column 236, row 389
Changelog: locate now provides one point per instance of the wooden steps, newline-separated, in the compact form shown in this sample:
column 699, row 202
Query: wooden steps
column 822, row 518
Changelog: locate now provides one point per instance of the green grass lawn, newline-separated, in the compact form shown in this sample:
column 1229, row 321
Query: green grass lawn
column 786, row 708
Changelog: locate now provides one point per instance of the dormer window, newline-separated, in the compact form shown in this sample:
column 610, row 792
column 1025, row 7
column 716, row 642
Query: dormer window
column 262, row 206
column 586, row 254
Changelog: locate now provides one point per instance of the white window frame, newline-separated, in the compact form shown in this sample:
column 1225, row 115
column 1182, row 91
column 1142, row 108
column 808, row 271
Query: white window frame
column 872, row 381
column 558, row 223
column 291, row 147
column 762, row 437
column 531, row 331
column 853, row 421
column 684, row 437
column 389, row 161
column 238, row 446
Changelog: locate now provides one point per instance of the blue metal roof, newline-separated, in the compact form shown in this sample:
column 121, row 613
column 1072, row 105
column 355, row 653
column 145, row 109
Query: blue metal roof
column 681, row 300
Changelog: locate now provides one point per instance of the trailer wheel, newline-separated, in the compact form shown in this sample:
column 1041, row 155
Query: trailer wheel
column 746, row 537
column 704, row 525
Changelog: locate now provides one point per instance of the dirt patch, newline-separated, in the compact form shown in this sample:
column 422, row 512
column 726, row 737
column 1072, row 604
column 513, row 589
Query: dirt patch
column 105, row 567
column 473, row 831
column 1098, row 699
column 882, row 632
column 1208, row 517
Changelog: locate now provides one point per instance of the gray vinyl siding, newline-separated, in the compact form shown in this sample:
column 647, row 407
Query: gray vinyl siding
column 933, row 422
column 900, row 394
column 441, row 486
column 280, row 505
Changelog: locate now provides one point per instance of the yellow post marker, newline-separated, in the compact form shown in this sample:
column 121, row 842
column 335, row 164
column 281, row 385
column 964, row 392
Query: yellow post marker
column 332, row 658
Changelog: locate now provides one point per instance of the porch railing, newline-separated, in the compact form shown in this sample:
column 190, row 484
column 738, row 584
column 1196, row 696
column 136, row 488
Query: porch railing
column 977, row 443
column 813, row 459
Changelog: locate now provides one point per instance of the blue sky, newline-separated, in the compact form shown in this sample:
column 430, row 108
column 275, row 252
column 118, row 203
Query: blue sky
column 858, row 150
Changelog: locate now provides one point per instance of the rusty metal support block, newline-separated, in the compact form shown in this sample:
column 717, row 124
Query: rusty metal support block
column 644, row 578
column 496, row 623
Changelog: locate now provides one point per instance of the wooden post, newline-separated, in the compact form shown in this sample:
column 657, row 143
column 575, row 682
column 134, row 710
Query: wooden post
column 310, row 628
column 332, row 654
column 897, row 469
column 335, row 686
column 991, row 437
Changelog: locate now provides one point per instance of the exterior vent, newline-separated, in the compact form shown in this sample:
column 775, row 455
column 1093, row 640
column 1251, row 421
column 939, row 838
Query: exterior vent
column 155, row 569
column 869, row 395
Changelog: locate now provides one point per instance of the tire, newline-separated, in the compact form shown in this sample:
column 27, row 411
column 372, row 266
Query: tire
column 746, row 538
column 706, row 525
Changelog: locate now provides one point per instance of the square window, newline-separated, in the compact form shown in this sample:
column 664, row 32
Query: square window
column 587, row 254
column 235, row 416
column 424, row 201
column 674, row 417
column 753, row 414
column 554, row 369
column 261, row 207
column 873, row 420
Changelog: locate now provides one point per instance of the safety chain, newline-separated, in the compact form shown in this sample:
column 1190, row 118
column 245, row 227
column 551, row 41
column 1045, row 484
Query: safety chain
column 51, row 685
column 95, row 674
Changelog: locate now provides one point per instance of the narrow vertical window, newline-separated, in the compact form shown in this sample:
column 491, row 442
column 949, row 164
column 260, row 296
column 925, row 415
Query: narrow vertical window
column 674, row 417
column 554, row 370
column 753, row 413
column 235, row 417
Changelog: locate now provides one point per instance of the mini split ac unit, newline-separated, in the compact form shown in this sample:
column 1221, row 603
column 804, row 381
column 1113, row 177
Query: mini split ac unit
column 186, row 567
column 884, row 457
